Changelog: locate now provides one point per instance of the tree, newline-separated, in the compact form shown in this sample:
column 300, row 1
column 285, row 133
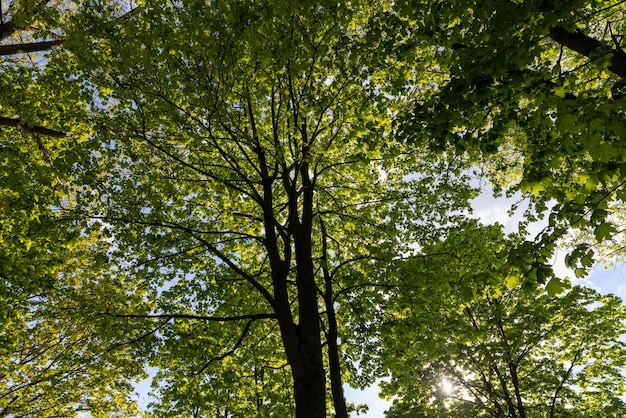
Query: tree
column 246, row 175
column 503, row 351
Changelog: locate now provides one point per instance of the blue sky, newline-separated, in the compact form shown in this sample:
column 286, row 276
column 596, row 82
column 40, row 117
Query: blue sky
column 369, row 397
column 609, row 279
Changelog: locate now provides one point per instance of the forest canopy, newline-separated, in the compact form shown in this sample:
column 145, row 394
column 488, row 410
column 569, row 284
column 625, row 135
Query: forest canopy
column 258, row 203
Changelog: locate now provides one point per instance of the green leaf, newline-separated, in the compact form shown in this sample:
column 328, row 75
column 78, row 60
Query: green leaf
column 580, row 272
column 555, row 286
column 512, row 281
column 543, row 273
column 604, row 231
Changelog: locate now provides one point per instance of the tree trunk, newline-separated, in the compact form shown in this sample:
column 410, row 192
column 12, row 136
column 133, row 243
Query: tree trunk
column 306, row 355
column 309, row 383
column 301, row 336
column 336, row 385
column 302, row 340
column 303, row 347
column 307, row 360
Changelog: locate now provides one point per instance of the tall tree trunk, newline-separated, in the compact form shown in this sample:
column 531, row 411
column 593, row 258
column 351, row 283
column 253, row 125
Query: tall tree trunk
column 301, row 338
column 308, row 367
column 303, row 347
column 307, row 361
column 332, row 335
column 336, row 384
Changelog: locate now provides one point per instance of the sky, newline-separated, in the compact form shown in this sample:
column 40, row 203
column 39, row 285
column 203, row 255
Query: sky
column 369, row 396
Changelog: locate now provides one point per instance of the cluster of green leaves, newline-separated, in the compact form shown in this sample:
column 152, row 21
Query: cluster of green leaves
column 534, row 91
column 40, row 122
column 65, row 359
column 504, row 351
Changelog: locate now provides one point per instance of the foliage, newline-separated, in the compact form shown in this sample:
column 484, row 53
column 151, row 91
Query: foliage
column 505, row 351
column 64, row 362
column 40, row 109
column 52, row 361
column 534, row 91
column 246, row 175
column 264, row 183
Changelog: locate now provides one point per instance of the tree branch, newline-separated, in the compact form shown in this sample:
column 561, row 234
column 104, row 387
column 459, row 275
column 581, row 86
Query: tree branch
column 579, row 352
column 212, row 248
column 587, row 46
column 229, row 352
column 29, row 47
column 33, row 129
column 256, row 284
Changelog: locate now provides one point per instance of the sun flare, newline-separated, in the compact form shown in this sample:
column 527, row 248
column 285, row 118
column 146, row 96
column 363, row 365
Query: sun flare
column 447, row 387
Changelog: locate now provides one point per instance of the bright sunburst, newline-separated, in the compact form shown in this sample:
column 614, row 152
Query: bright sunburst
column 447, row 387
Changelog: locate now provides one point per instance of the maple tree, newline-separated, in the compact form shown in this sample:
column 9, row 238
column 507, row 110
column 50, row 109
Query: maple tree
column 247, row 174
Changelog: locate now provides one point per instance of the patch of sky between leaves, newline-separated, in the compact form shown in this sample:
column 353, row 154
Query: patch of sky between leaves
column 492, row 209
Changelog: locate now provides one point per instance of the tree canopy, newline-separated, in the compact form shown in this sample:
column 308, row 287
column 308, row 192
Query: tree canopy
column 503, row 351
column 535, row 88
column 42, row 119
column 264, row 201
